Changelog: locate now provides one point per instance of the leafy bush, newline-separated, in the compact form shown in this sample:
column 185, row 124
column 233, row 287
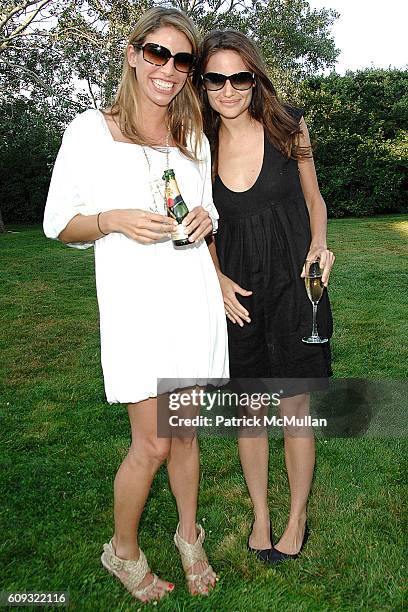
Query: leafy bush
column 359, row 124
column 28, row 147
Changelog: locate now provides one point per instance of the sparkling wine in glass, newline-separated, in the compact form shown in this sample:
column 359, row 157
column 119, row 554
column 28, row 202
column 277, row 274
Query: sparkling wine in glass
column 314, row 289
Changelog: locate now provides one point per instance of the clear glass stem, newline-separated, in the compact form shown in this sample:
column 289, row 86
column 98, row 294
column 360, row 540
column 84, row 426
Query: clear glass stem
column 314, row 327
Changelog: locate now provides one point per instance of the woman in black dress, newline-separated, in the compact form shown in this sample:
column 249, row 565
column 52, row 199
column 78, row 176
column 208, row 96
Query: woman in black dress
column 272, row 224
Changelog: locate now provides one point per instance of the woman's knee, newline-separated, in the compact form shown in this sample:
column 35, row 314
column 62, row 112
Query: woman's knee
column 295, row 410
column 150, row 451
column 297, row 406
column 187, row 441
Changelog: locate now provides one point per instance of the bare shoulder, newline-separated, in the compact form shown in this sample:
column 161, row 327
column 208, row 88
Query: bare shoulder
column 302, row 125
column 304, row 137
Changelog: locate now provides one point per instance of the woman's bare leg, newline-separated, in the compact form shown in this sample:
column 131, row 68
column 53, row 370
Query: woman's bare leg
column 254, row 456
column 184, row 471
column 300, row 461
column 133, row 481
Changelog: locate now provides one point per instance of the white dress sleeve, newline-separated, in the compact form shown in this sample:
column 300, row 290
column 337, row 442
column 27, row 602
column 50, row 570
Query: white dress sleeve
column 69, row 192
column 204, row 163
column 207, row 200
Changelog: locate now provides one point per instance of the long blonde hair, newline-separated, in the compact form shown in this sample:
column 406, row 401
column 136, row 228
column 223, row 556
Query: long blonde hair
column 184, row 112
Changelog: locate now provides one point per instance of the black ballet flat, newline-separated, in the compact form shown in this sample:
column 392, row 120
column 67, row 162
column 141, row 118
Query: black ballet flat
column 276, row 556
column 262, row 553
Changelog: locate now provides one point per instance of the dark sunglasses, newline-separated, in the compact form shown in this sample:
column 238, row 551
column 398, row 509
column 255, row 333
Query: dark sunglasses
column 213, row 81
column 159, row 56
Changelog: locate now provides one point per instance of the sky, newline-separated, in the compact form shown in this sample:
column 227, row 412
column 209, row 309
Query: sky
column 369, row 33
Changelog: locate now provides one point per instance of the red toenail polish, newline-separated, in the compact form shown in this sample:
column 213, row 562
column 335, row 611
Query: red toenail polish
column 171, row 587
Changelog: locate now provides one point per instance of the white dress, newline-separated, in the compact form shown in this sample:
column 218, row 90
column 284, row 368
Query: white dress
column 161, row 308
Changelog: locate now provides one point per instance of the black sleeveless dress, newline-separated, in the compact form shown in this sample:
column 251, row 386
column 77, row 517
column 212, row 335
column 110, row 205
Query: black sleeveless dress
column 262, row 242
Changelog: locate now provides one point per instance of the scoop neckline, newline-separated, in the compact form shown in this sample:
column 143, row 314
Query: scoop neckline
column 257, row 178
column 132, row 144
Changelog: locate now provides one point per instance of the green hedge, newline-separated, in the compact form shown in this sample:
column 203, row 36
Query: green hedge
column 358, row 123
column 29, row 141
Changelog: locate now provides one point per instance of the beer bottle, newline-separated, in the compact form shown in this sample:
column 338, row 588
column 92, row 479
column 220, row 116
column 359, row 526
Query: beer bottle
column 176, row 208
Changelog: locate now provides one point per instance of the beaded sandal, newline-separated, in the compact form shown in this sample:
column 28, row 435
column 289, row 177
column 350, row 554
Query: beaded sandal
column 136, row 571
column 191, row 554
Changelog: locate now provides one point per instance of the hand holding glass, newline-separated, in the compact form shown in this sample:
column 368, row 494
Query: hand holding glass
column 314, row 288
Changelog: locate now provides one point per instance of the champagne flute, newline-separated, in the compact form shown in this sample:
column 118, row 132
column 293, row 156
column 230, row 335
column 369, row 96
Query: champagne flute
column 314, row 288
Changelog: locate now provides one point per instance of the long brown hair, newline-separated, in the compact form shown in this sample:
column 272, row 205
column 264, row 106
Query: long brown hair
column 280, row 121
column 184, row 112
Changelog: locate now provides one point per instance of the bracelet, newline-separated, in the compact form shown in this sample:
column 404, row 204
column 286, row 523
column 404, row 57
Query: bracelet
column 99, row 227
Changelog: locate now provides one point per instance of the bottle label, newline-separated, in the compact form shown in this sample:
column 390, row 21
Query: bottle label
column 179, row 233
column 174, row 200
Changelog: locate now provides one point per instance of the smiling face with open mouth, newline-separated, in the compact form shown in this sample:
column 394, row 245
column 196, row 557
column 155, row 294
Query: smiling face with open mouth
column 158, row 85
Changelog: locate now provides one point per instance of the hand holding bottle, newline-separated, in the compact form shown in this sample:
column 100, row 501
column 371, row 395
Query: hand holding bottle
column 198, row 224
column 140, row 225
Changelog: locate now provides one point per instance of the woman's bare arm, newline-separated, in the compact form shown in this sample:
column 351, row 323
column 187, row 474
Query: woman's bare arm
column 317, row 209
column 140, row 225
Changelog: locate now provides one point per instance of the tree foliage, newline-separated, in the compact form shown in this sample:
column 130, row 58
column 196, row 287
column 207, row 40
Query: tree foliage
column 48, row 48
column 60, row 57
column 295, row 40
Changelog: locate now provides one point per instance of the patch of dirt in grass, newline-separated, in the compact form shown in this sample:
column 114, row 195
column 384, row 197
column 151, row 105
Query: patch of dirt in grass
column 40, row 431
column 401, row 227
column 33, row 286
column 228, row 543
column 234, row 493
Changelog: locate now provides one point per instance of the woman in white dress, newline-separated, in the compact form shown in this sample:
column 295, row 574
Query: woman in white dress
column 161, row 308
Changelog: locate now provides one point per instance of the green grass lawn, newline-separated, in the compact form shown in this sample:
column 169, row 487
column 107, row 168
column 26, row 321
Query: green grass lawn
column 61, row 445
